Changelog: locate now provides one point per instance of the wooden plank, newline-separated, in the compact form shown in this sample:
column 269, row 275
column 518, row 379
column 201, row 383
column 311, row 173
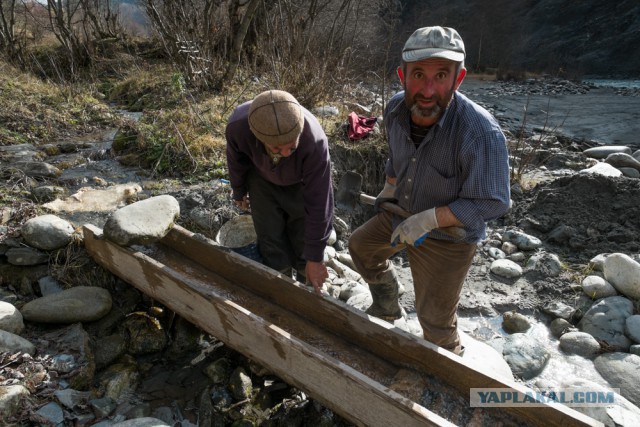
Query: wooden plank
column 336, row 385
column 377, row 336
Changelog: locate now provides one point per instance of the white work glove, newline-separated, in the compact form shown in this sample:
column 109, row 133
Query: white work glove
column 386, row 195
column 413, row 230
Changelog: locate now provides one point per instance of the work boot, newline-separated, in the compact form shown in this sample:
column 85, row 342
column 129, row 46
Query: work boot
column 385, row 301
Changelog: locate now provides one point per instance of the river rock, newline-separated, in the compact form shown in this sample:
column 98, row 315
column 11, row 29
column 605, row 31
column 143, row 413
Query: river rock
column 11, row 397
column 623, row 160
column 79, row 304
column 13, row 343
column 523, row 241
column 506, row 268
column 632, row 327
column 597, row 262
column 605, row 320
column 630, row 172
column 143, row 222
column 526, row 356
column 39, row 169
column 26, row 256
column 513, row 322
column 606, row 150
column 580, row 343
column 623, row 371
column 10, row 318
column 596, row 287
column 559, row 309
column 624, row 274
column 47, row 232
column 546, row 263
column 559, row 327
column 603, row 169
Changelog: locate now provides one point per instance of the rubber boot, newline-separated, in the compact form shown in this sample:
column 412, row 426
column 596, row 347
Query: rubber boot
column 385, row 301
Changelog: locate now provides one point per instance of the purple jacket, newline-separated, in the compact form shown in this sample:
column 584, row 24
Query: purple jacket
column 309, row 165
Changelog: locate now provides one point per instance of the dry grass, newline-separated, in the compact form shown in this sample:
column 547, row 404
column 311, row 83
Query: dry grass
column 38, row 112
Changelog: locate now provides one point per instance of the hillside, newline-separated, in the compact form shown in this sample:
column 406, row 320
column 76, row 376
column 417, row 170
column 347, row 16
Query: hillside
column 574, row 38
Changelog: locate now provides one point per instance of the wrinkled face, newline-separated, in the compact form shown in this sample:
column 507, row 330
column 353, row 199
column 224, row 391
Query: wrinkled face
column 429, row 87
column 276, row 152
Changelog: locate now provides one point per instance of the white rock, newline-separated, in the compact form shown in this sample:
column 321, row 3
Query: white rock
column 506, row 268
column 10, row 318
column 624, row 274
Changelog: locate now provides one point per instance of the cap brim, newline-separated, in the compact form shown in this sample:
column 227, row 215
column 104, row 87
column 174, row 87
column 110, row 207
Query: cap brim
column 421, row 54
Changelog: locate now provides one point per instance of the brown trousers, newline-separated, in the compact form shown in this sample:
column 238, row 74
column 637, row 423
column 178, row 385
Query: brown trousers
column 438, row 269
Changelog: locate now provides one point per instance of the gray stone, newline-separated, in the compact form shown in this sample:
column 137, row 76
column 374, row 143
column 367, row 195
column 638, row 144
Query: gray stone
column 605, row 320
column 47, row 193
column 52, row 413
column 49, row 285
column 71, row 398
column 39, row 169
column 560, row 327
column 630, row 172
column 632, row 327
column 47, row 232
column 622, row 160
column 506, row 268
column 526, row 356
column 79, row 304
column 623, row 273
column 523, row 241
column 559, row 309
column 10, row 318
column 240, row 384
column 603, row 169
column 580, row 343
column 13, row 343
column 11, row 397
column 604, row 151
column 142, row 222
column 623, row 371
column 26, row 256
column 596, row 287
column 545, row 263
column 513, row 322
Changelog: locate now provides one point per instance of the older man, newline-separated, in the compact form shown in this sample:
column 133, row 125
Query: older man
column 448, row 166
column 277, row 153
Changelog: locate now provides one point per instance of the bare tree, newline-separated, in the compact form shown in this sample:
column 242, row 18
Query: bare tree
column 65, row 18
column 9, row 42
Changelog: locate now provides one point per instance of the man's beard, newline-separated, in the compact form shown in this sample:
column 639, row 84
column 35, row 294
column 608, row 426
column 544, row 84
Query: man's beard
column 434, row 112
column 428, row 112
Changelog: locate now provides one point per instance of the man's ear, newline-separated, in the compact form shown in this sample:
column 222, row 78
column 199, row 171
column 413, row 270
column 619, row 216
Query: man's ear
column 460, row 77
column 400, row 75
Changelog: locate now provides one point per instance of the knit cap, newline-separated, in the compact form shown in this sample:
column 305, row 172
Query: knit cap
column 276, row 118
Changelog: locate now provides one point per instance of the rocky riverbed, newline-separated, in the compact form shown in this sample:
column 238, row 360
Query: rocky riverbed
column 532, row 308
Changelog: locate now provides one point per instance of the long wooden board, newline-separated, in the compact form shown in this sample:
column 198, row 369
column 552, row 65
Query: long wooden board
column 209, row 285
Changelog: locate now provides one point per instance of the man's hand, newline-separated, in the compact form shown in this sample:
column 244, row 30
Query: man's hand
column 413, row 230
column 316, row 273
column 243, row 203
column 386, row 195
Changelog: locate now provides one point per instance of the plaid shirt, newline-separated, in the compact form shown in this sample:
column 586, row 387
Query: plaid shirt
column 462, row 163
